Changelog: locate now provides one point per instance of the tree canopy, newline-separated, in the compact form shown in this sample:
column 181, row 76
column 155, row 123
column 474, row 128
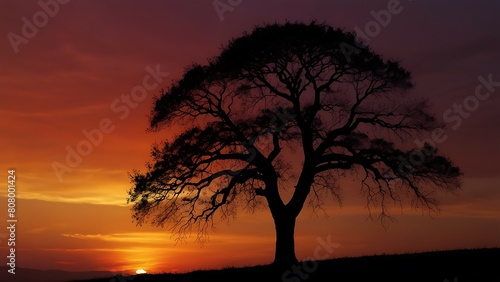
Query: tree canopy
column 288, row 105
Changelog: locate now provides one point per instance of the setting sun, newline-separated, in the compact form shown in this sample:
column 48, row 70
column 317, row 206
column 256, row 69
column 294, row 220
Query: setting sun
column 140, row 271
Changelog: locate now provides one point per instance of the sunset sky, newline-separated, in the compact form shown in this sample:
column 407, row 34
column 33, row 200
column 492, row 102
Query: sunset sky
column 70, row 74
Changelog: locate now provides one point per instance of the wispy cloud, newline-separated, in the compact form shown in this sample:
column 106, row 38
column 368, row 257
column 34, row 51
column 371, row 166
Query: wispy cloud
column 134, row 237
column 73, row 197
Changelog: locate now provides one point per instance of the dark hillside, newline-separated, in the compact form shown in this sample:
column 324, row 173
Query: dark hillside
column 478, row 265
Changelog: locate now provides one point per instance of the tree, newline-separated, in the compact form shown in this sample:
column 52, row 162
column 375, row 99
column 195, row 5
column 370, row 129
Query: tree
column 279, row 92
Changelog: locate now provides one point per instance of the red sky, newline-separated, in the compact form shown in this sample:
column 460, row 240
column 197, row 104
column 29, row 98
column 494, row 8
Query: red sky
column 66, row 76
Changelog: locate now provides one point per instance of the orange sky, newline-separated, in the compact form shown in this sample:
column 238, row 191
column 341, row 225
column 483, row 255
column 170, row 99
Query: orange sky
column 66, row 78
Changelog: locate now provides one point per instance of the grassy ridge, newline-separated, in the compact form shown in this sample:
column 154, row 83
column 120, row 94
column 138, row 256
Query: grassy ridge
column 478, row 265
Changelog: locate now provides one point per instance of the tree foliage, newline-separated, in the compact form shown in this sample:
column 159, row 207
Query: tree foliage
column 280, row 93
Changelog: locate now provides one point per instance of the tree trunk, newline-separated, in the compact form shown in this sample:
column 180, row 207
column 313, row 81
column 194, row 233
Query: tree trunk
column 284, row 256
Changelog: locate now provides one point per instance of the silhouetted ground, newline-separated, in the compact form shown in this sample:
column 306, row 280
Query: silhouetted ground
column 478, row 265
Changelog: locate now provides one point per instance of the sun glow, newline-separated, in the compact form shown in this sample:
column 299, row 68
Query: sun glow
column 140, row 271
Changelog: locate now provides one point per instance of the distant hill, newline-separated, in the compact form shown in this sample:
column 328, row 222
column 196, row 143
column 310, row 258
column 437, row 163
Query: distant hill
column 34, row 275
column 476, row 265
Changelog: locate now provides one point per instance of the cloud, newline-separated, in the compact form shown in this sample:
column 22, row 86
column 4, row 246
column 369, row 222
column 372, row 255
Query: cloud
column 133, row 237
column 166, row 238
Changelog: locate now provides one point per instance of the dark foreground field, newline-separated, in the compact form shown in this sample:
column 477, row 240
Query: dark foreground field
column 478, row 265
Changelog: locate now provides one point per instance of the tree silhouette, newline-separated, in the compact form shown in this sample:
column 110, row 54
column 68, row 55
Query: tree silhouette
column 287, row 106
